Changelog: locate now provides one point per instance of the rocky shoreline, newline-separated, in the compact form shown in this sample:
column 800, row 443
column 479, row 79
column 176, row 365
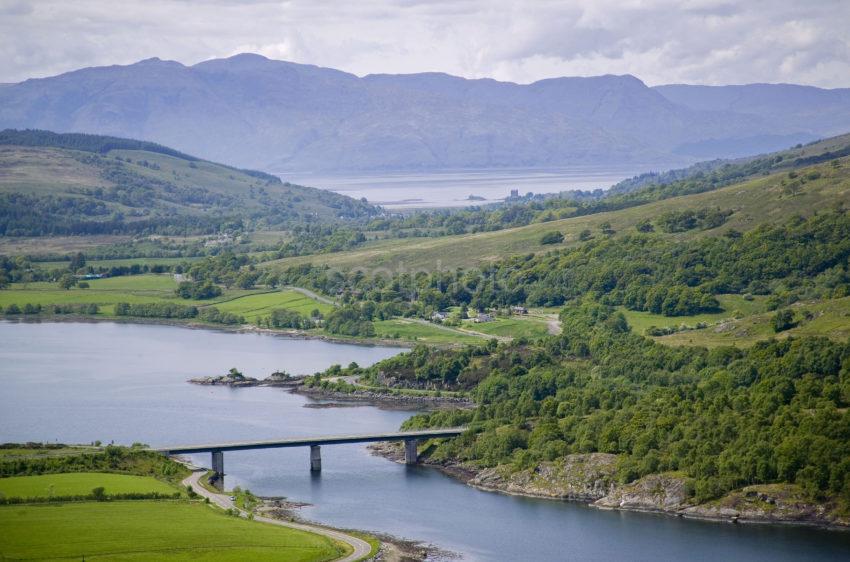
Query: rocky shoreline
column 590, row 478
column 373, row 396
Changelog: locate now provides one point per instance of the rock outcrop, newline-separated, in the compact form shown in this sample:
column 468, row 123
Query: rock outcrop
column 583, row 477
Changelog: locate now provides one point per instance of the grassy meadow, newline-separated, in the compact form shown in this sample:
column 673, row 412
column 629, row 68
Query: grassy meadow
column 146, row 530
column 422, row 332
column 79, row 483
column 733, row 306
column 828, row 318
column 254, row 306
column 515, row 326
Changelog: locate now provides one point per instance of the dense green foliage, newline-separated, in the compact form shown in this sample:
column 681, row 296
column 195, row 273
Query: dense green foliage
column 775, row 413
column 282, row 318
column 351, row 320
column 198, row 290
column 642, row 271
column 177, row 311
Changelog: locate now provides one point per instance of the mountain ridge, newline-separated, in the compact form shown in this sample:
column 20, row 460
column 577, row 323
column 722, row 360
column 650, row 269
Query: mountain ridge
column 253, row 112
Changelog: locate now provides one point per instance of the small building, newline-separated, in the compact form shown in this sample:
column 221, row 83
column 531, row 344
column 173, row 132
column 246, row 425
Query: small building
column 439, row 316
column 482, row 317
column 519, row 310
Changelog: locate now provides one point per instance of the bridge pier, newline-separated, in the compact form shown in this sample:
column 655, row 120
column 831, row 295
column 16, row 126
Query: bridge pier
column 411, row 456
column 217, row 479
column 315, row 458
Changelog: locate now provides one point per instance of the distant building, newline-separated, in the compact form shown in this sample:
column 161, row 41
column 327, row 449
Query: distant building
column 514, row 194
column 519, row 310
column 482, row 317
column 439, row 316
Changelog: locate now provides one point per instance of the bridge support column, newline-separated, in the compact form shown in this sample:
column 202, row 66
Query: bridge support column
column 315, row 458
column 411, row 456
column 218, row 469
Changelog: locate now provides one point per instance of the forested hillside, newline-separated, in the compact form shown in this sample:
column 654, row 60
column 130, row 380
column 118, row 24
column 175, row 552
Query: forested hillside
column 769, row 411
column 53, row 184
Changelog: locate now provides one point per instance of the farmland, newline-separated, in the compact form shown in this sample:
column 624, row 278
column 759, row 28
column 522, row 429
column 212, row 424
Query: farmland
column 79, row 483
column 139, row 530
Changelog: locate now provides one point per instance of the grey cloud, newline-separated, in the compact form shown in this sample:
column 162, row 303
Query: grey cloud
column 660, row 41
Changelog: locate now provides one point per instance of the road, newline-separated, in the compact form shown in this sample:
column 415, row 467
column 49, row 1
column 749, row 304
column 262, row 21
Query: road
column 311, row 294
column 361, row 547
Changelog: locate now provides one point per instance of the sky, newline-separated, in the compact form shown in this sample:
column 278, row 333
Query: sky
column 659, row 41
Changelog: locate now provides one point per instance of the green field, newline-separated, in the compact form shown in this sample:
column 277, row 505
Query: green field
column 255, row 306
column 733, row 306
column 409, row 330
column 146, row 530
column 79, row 483
column 830, row 318
column 151, row 288
column 514, row 327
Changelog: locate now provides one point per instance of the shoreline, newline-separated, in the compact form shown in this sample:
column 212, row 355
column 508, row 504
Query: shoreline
column 192, row 325
column 285, row 514
column 468, row 476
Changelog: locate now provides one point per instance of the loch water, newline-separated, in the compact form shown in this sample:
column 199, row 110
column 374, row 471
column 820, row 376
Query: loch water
column 80, row 382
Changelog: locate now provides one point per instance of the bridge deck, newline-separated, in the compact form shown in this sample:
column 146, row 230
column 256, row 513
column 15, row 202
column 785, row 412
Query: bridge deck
column 309, row 441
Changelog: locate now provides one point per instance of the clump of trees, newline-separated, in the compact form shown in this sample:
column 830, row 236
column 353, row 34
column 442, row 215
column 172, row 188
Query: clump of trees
column 197, row 290
column 351, row 320
column 178, row 311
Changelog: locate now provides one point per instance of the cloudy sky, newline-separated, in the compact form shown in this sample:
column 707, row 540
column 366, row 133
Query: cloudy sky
column 659, row 41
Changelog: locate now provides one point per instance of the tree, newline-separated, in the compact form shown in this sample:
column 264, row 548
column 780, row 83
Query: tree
column 783, row 320
column 78, row 261
column 67, row 281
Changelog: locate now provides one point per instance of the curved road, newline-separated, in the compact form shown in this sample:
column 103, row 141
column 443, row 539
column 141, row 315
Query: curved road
column 361, row 547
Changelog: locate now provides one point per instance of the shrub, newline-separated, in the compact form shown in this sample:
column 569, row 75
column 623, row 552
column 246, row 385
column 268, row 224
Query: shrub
column 553, row 237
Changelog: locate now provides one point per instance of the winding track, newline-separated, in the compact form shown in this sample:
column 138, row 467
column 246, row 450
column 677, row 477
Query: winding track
column 361, row 547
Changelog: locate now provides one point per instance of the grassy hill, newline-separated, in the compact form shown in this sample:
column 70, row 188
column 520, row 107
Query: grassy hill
column 799, row 190
column 53, row 184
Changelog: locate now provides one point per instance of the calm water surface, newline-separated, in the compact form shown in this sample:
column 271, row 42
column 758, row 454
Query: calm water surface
column 453, row 188
column 82, row 382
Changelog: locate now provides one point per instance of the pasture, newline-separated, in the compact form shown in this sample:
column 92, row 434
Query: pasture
column 145, row 530
column 79, row 483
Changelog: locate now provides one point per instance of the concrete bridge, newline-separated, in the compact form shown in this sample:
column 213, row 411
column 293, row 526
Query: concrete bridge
column 410, row 438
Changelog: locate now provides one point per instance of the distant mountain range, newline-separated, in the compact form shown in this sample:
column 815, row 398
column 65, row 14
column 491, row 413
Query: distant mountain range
column 282, row 117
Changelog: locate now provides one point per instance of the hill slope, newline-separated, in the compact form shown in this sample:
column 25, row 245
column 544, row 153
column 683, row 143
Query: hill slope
column 802, row 182
column 84, row 184
column 281, row 116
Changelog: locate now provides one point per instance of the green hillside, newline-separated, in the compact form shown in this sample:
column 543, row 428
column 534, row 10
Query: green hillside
column 60, row 184
column 762, row 199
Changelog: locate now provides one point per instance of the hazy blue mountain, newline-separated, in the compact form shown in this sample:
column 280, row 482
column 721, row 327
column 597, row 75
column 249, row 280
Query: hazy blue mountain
column 279, row 116
column 816, row 110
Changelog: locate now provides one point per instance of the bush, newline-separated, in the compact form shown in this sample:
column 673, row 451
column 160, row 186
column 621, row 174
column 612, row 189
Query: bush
column 553, row 237
column 783, row 320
